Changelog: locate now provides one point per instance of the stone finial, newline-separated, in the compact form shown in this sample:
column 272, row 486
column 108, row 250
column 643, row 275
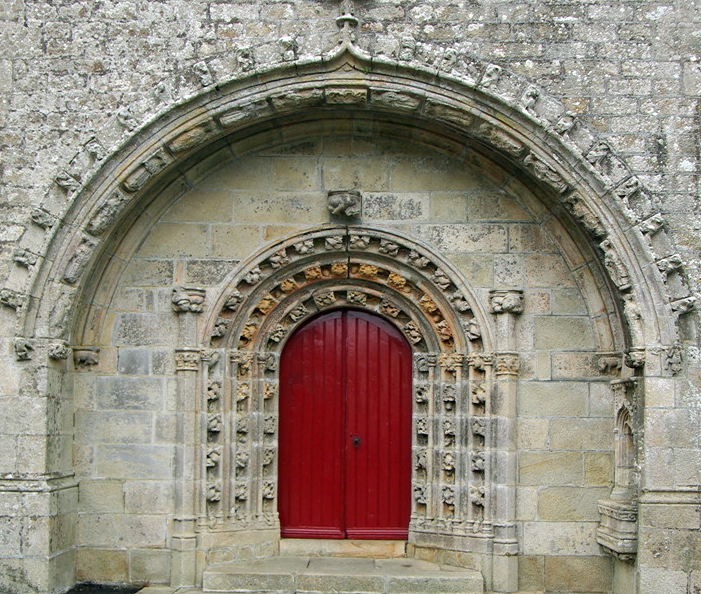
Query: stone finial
column 188, row 299
column 506, row 301
column 345, row 203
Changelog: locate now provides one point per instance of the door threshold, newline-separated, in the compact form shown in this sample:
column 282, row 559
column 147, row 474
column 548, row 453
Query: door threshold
column 322, row 547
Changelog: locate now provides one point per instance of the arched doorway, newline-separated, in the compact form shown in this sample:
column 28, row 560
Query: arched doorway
column 345, row 429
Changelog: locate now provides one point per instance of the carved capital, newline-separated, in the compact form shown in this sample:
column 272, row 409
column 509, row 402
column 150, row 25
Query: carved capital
column 188, row 299
column 59, row 350
column 187, row 359
column 506, row 301
column 507, row 364
column 635, row 358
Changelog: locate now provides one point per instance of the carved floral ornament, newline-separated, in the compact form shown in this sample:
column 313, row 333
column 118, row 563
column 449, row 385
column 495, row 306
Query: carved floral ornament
column 336, row 267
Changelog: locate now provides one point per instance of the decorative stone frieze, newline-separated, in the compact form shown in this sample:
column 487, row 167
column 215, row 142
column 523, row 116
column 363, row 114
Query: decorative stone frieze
column 187, row 359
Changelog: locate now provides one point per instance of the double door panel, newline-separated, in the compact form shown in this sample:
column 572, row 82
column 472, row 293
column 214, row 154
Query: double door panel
column 345, row 429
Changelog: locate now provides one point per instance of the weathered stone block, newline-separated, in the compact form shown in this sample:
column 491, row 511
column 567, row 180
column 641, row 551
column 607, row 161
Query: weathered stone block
column 566, row 504
column 598, row 468
column 550, row 468
column 531, row 573
column 582, row 434
column 113, row 427
column 563, row 333
column 149, row 566
column 148, row 497
column 128, row 393
column 137, row 461
column 554, row 538
column 400, row 207
column 201, row 205
column 578, row 574
column 171, row 240
column 552, row 399
column 101, row 566
column 101, row 496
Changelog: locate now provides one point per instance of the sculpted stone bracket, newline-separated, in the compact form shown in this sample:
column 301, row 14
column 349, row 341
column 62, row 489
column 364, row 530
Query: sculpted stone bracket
column 618, row 530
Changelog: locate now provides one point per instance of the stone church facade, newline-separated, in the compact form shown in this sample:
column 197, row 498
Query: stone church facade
column 512, row 185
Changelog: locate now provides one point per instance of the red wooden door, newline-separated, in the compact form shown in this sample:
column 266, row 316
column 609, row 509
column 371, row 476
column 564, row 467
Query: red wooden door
column 345, row 429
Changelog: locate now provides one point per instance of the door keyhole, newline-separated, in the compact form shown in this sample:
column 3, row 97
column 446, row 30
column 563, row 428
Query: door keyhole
column 356, row 441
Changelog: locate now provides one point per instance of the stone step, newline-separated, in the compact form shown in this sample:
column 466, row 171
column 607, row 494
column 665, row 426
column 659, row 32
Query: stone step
column 320, row 547
column 325, row 575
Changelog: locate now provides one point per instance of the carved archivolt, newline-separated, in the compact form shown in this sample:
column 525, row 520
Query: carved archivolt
column 408, row 285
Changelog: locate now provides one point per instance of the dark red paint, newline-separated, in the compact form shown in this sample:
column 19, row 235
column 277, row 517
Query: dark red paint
column 345, row 429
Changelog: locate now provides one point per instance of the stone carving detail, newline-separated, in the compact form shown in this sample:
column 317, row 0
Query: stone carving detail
column 241, row 492
column 652, row 225
column 669, row 265
column 584, row 215
column 213, row 493
column 478, row 393
column 421, row 394
column 417, row 260
column 413, row 333
column 441, row 279
column 312, row 273
column 107, row 214
column 23, row 349
column 449, row 432
column 673, row 358
column 59, row 350
column 479, row 426
column 448, row 495
column 506, row 301
column 477, row 462
column 188, row 299
column 278, row 333
column 500, row 140
column 242, row 460
column 279, row 259
column 220, row 327
column 214, row 423
column 268, row 456
column 289, row 285
column 24, row 257
column 233, row 301
column 359, row 242
column 266, row 304
column 243, row 392
column 305, row 247
column 95, row 149
column 269, row 425
column 397, row 281
column 479, row 361
column 609, row 364
column 422, row 426
column 684, row 306
column 449, row 396
column 86, row 357
column 566, row 124
column 213, row 457
column 242, row 426
column 617, row 270
column 445, row 332
column 126, row 119
column 357, row 297
column 459, row 302
column 253, row 276
column 472, row 330
column 42, row 218
column 345, row 203
column 420, row 494
column 388, row 247
column 204, row 74
column 449, row 462
column 140, row 175
column 491, row 76
column 214, row 391
column 298, row 313
column 339, row 268
column 529, row 99
column 477, row 495
column 507, row 364
column 428, row 304
column 10, row 298
column 545, row 173
column 599, row 153
column 389, row 309
column 635, row 358
column 66, row 181
column 79, row 260
column 451, row 363
column 333, row 243
column 324, row 299
column 268, row 490
column 368, row 270
column 627, row 190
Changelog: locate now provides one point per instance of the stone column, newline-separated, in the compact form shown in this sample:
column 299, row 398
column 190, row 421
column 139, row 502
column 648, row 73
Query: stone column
column 505, row 305
column 187, row 303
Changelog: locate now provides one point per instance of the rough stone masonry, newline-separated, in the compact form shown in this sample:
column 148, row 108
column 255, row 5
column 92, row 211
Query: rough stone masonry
column 513, row 185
